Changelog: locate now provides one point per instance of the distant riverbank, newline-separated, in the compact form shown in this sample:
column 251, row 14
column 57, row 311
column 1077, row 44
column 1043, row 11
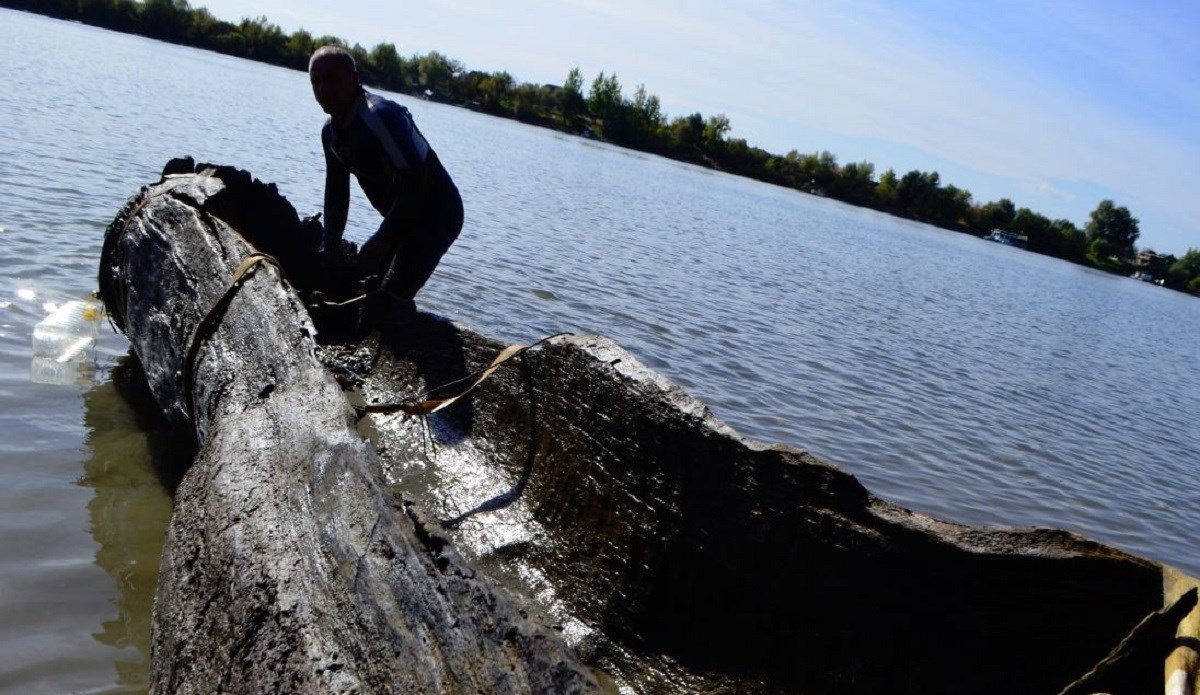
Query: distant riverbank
column 1106, row 242
column 953, row 376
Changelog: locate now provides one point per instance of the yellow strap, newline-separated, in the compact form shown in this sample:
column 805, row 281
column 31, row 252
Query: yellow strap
column 347, row 302
column 212, row 319
column 432, row 405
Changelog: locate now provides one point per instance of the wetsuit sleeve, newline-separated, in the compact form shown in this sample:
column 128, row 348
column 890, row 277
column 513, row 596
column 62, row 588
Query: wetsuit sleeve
column 409, row 152
column 337, row 194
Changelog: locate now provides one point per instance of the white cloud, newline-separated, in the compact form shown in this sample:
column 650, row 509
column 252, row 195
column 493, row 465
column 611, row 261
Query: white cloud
column 1046, row 190
column 1104, row 94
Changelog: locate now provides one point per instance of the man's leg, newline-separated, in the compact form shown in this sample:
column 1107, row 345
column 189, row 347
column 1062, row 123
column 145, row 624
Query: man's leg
column 414, row 263
column 418, row 252
column 404, row 253
column 376, row 253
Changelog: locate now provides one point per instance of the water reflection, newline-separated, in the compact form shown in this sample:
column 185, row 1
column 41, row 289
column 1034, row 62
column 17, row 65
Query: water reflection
column 133, row 459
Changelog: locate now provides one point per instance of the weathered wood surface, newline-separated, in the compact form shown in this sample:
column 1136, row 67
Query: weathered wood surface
column 288, row 568
column 691, row 558
column 710, row 562
column 1139, row 658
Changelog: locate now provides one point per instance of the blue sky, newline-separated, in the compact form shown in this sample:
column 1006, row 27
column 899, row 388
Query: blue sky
column 1054, row 104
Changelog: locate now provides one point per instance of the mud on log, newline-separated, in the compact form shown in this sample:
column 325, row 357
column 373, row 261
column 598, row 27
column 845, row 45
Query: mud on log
column 704, row 561
column 287, row 567
column 697, row 560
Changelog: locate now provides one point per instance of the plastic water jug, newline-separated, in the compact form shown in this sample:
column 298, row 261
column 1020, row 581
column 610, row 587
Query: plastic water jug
column 64, row 344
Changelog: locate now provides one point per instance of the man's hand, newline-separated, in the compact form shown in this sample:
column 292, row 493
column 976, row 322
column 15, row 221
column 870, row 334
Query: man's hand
column 312, row 232
column 376, row 255
column 371, row 284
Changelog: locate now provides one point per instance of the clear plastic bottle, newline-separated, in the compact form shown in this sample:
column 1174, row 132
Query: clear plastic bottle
column 64, row 344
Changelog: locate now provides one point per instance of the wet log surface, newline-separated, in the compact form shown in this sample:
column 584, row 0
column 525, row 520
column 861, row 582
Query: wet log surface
column 287, row 567
column 576, row 486
column 692, row 559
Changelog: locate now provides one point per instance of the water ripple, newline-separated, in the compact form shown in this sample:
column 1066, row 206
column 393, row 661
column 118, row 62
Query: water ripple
column 950, row 375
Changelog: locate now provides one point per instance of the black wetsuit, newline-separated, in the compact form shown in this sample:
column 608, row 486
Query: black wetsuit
column 404, row 180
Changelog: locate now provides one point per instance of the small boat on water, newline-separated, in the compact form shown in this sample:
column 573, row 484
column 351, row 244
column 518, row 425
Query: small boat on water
column 575, row 523
column 1008, row 238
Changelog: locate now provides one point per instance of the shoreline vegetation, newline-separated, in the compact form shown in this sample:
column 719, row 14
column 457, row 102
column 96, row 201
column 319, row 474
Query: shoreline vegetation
column 1107, row 241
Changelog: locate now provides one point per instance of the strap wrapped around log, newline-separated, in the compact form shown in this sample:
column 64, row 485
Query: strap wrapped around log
column 288, row 567
column 697, row 559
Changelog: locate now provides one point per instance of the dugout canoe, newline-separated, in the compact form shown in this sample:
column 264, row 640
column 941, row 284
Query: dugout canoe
column 577, row 522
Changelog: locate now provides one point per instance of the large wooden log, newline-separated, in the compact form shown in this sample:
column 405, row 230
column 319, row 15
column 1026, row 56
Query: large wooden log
column 288, row 567
column 709, row 562
column 680, row 555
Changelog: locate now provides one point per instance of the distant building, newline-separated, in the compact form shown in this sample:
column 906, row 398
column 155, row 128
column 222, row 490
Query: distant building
column 1153, row 264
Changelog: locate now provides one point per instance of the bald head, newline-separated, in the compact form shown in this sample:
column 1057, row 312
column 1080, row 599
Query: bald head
column 335, row 83
column 334, row 53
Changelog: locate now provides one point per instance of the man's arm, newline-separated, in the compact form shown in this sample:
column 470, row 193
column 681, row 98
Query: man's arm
column 409, row 152
column 337, row 198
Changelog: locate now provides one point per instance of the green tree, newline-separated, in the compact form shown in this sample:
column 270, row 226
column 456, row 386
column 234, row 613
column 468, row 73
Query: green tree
column 468, row 85
column 646, row 120
column 916, row 193
column 202, row 27
column 328, row 40
column 527, row 100
column 1035, row 227
column 604, row 98
column 264, row 41
column 388, row 66
column 1100, row 250
column 686, row 136
column 299, row 48
column 169, row 20
column 888, row 190
column 744, row 160
column 1111, row 230
column 1184, row 274
column 362, row 59
column 494, row 90
column 920, row 196
column 94, row 11
column 997, row 214
column 715, row 129
column 1069, row 242
column 570, row 99
column 1116, row 226
column 853, row 183
column 230, row 42
column 435, row 71
column 951, row 207
column 814, row 173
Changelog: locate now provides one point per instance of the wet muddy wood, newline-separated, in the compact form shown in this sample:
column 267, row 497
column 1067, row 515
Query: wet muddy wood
column 288, row 567
column 698, row 560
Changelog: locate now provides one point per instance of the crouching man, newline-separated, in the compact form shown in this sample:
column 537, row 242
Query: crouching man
column 377, row 140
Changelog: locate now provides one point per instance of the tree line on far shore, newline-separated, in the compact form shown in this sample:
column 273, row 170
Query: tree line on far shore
column 1107, row 241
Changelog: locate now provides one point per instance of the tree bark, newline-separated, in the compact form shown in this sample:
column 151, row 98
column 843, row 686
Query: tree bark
column 706, row 562
column 288, row 567
column 681, row 555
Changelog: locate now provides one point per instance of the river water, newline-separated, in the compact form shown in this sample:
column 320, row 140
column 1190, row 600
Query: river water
column 961, row 378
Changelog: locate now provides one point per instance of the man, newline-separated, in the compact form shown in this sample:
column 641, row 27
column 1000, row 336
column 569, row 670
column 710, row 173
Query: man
column 377, row 141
